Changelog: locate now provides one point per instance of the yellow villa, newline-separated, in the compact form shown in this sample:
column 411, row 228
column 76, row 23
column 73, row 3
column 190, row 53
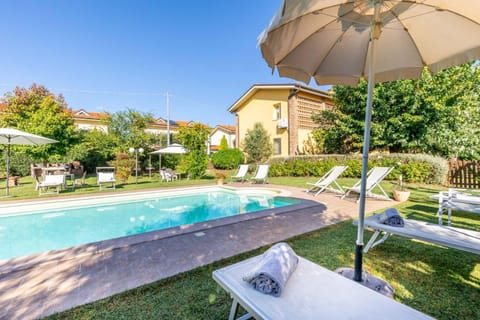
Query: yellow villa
column 285, row 111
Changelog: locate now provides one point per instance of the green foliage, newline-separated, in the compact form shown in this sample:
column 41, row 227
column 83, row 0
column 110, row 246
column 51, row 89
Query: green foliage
column 193, row 137
column 95, row 149
column 194, row 164
column 129, row 128
column 19, row 164
column 413, row 167
column 123, row 164
column 227, row 159
column 434, row 114
column 38, row 111
column 257, row 144
column 223, row 144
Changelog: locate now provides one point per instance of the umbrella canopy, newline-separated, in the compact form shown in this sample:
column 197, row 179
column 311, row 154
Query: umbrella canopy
column 174, row 148
column 340, row 41
column 11, row 136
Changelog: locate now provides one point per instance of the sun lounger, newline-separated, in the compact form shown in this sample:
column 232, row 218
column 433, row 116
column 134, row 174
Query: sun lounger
column 261, row 174
column 457, row 238
column 457, row 199
column 374, row 177
column 55, row 181
column 325, row 182
column 312, row 292
column 106, row 178
column 241, row 173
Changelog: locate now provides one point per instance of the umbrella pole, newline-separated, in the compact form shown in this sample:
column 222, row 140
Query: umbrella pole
column 8, row 167
column 374, row 35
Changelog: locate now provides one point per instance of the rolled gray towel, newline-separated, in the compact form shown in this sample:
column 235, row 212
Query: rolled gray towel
column 391, row 217
column 273, row 270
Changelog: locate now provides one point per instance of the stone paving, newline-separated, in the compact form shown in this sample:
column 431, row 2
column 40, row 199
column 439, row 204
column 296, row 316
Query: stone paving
column 36, row 286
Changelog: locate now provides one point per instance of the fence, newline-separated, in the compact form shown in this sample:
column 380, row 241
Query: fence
column 464, row 174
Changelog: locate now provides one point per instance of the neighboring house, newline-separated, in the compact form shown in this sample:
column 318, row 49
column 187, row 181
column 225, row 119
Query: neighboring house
column 86, row 120
column 218, row 133
column 285, row 111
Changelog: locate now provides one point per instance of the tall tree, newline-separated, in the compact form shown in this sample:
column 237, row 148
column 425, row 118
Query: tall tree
column 129, row 128
column 257, row 144
column 37, row 110
column 437, row 114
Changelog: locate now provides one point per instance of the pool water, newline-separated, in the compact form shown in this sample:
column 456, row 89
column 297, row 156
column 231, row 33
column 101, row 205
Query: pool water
column 35, row 232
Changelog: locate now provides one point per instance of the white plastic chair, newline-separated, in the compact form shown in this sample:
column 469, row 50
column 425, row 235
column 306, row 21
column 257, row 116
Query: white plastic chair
column 374, row 177
column 261, row 174
column 241, row 173
column 328, row 179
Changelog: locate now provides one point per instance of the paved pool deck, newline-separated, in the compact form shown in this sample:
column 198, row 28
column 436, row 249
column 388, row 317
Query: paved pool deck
column 40, row 285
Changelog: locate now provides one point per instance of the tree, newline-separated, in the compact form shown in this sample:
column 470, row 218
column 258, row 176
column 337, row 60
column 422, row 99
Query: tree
column 193, row 138
column 38, row 111
column 129, row 127
column 257, row 144
column 432, row 114
column 223, row 144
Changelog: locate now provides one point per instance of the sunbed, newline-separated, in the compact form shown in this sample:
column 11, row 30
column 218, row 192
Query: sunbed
column 325, row 182
column 241, row 173
column 457, row 199
column 261, row 174
column 374, row 177
column 312, row 292
column 55, row 181
column 461, row 239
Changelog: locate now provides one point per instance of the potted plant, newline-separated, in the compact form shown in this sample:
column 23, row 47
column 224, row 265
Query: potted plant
column 402, row 193
column 220, row 177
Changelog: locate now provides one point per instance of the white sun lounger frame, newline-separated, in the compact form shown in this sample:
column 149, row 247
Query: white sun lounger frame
column 457, row 238
column 312, row 292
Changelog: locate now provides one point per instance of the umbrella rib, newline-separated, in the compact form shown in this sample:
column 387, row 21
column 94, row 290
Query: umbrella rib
column 334, row 18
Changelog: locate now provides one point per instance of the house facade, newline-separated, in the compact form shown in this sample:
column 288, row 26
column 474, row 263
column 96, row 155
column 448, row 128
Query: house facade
column 285, row 111
column 218, row 133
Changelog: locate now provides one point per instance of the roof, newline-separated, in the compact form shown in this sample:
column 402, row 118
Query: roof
column 225, row 128
column 292, row 86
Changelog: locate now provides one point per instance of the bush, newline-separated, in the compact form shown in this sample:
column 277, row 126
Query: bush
column 123, row 164
column 413, row 167
column 19, row 164
column 227, row 159
column 194, row 164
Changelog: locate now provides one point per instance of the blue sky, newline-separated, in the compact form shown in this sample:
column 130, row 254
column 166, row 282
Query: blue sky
column 112, row 55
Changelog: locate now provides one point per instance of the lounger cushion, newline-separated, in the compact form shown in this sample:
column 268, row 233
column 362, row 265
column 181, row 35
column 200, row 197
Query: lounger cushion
column 274, row 269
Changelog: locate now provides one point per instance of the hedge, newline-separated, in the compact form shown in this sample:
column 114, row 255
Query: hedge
column 421, row 168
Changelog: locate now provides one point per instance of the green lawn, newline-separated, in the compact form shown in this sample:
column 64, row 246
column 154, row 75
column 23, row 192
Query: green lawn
column 26, row 189
column 444, row 283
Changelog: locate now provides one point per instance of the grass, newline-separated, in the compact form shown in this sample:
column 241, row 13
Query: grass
column 444, row 283
column 26, row 189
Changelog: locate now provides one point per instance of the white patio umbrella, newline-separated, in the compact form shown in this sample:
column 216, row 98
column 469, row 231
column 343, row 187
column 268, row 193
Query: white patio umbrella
column 174, row 148
column 340, row 41
column 11, row 136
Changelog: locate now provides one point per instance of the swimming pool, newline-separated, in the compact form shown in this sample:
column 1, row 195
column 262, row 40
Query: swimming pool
column 37, row 228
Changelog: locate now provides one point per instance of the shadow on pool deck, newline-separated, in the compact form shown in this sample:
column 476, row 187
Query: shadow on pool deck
column 40, row 285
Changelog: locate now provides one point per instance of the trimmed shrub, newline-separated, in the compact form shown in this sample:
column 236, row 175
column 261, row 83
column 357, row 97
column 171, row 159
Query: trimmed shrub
column 227, row 159
column 413, row 167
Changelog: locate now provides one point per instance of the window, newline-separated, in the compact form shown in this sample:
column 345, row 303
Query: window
column 277, row 146
column 277, row 111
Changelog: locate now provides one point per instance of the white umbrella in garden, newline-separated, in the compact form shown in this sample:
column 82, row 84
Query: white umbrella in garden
column 340, row 41
column 11, row 136
column 174, row 148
